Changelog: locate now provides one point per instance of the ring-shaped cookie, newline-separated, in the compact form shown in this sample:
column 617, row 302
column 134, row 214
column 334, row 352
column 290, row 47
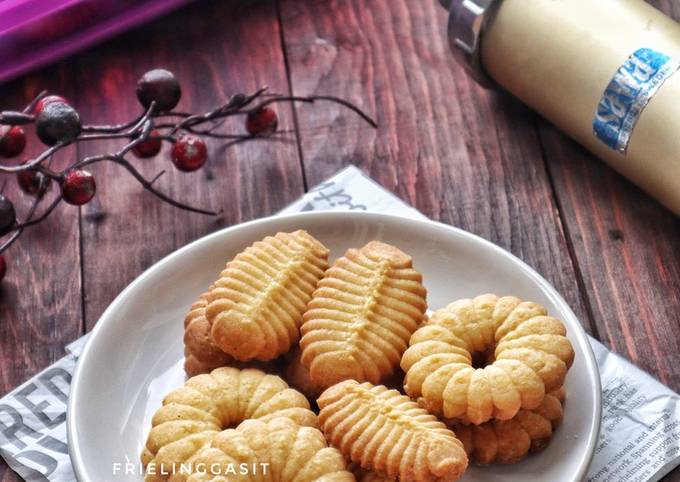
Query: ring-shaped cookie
column 192, row 415
column 509, row 441
column 277, row 451
column 530, row 355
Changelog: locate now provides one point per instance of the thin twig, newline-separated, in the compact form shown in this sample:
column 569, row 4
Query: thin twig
column 165, row 126
column 31, row 164
column 148, row 185
column 34, row 102
column 315, row 98
column 20, row 227
column 43, row 216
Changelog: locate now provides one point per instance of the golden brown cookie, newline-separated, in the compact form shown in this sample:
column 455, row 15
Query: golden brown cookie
column 193, row 414
column 530, row 357
column 201, row 355
column 368, row 476
column 298, row 375
column 289, row 452
column 361, row 316
column 387, row 433
column 256, row 306
column 508, row 441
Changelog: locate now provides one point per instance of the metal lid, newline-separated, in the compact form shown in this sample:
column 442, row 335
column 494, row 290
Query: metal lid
column 467, row 19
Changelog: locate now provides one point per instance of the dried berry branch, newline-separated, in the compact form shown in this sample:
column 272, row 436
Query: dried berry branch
column 58, row 125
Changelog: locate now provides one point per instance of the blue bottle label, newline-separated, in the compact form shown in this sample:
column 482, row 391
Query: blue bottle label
column 627, row 95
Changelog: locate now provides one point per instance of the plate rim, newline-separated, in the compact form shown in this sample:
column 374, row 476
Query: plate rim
column 580, row 334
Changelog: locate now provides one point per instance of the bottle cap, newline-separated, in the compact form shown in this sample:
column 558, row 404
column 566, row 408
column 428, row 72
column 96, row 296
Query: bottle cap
column 467, row 20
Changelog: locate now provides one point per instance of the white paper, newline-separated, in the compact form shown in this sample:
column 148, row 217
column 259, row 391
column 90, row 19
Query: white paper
column 640, row 432
column 350, row 189
column 639, row 440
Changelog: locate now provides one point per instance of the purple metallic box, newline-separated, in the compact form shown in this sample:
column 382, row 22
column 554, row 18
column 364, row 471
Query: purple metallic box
column 37, row 32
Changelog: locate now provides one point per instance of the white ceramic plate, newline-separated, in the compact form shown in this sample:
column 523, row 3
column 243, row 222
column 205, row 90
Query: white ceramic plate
column 134, row 354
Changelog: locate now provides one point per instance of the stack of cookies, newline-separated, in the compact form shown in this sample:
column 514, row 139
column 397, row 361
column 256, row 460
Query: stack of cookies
column 400, row 397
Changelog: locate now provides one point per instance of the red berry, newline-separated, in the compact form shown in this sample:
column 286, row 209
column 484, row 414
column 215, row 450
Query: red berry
column 12, row 141
column 78, row 187
column 8, row 217
column 33, row 181
column 50, row 99
column 3, row 267
column 189, row 153
column 262, row 122
column 149, row 147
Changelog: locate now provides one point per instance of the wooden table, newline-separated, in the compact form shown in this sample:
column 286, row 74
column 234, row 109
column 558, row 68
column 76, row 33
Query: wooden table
column 472, row 158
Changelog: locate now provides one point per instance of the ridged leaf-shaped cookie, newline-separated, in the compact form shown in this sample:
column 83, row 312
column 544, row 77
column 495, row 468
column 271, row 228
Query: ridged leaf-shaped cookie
column 362, row 315
column 388, row 433
column 256, row 306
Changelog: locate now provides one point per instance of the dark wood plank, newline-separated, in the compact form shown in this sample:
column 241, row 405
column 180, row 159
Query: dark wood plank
column 627, row 246
column 216, row 48
column 40, row 299
column 669, row 7
column 462, row 155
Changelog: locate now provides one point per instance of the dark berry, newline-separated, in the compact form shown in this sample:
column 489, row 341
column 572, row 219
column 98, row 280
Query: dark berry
column 262, row 122
column 238, row 100
column 12, row 141
column 78, row 187
column 50, row 99
column 8, row 216
column 159, row 85
column 58, row 122
column 149, row 147
column 3, row 267
column 189, row 153
column 32, row 181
